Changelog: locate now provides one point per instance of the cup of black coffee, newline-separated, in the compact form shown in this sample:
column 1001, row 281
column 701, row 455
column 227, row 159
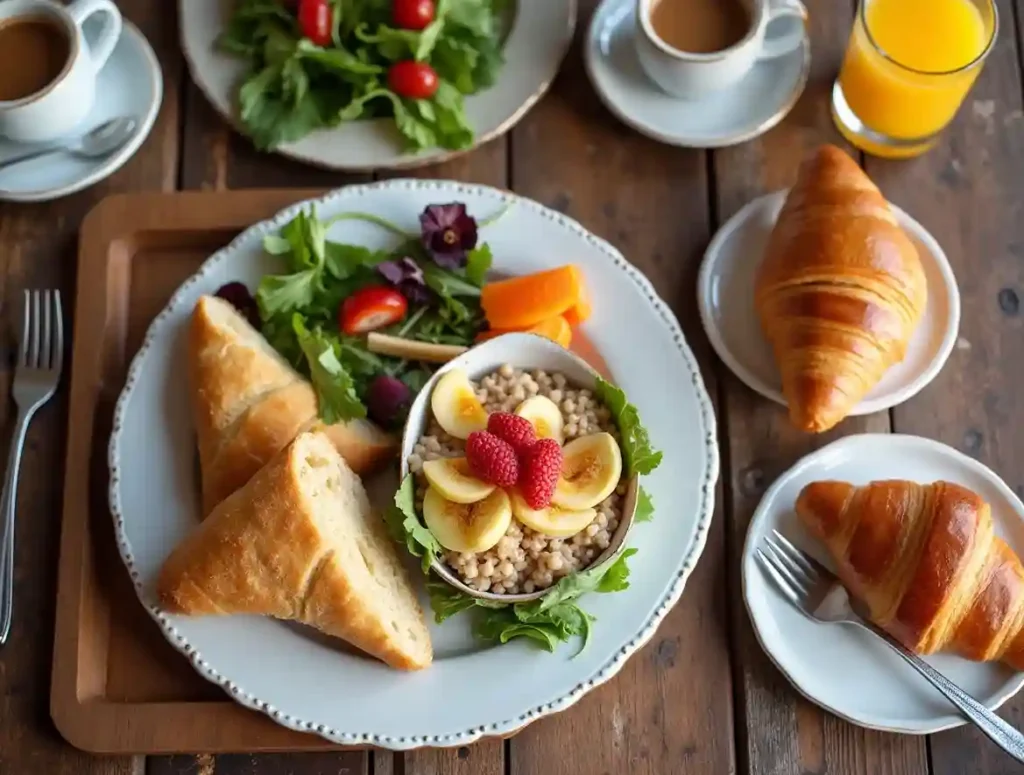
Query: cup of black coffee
column 47, row 68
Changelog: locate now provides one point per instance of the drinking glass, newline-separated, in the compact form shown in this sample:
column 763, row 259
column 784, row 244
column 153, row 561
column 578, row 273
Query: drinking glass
column 895, row 103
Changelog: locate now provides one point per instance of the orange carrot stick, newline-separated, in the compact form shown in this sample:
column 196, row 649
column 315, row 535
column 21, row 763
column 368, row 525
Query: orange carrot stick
column 521, row 302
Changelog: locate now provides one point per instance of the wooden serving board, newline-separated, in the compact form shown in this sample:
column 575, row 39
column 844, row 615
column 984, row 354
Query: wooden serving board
column 118, row 686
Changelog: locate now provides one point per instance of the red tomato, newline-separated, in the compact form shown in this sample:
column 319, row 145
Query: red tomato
column 412, row 14
column 415, row 80
column 315, row 20
column 371, row 308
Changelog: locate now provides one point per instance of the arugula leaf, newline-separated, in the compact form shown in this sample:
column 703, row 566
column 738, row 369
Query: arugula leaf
column 644, row 506
column 283, row 293
column 335, row 389
column 553, row 619
column 406, row 528
column 641, row 458
column 344, row 261
column 446, row 283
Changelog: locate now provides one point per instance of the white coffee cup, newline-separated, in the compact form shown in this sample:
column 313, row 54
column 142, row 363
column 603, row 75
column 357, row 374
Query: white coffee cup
column 57, row 109
column 689, row 76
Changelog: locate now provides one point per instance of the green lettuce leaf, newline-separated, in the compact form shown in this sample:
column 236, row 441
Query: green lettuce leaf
column 406, row 529
column 641, row 458
column 335, row 389
column 644, row 506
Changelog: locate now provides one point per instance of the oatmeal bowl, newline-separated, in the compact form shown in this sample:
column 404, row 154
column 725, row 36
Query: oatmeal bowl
column 514, row 472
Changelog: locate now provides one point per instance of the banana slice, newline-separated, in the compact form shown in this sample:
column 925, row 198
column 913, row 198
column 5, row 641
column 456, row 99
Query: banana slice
column 455, row 405
column 554, row 522
column 452, row 478
column 591, row 469
column 467, row 527
column 545, row 416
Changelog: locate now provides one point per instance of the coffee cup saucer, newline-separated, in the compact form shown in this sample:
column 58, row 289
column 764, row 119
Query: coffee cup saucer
column 734, row 115
column 130, row 84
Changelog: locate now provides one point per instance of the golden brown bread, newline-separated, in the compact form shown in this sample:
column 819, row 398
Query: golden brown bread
column 927, row 563
column 839, row 292
column 249, row 403
column 299, row 542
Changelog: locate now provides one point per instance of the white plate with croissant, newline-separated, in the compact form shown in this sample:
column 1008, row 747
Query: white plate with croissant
column 827, row 299
column 929, row 540
column 287, row 592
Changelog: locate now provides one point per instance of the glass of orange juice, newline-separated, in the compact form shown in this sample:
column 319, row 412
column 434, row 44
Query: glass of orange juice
column 908, row 66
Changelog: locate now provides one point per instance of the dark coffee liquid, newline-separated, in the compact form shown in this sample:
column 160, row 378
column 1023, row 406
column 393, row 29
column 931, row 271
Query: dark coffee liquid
column 700, row 26
column 33, row 53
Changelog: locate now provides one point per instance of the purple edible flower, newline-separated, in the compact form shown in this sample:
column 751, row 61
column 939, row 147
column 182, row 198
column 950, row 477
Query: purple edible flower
column 238, row 296
column 448, row 232
column 407, row 276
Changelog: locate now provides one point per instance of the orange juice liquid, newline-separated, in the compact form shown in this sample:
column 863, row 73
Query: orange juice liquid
column 914, row 89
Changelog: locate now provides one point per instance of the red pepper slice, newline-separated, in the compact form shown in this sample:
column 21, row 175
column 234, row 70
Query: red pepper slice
column 371, row 308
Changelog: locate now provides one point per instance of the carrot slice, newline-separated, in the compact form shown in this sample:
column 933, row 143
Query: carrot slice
column 556, row 328
column 521, row 302
column 582, row 309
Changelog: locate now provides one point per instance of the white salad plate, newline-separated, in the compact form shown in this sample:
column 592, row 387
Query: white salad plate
column 130, row 84
column 534, row 49
column 725, row 296
column 845, row 669
column 751, row 107
column 303, row 682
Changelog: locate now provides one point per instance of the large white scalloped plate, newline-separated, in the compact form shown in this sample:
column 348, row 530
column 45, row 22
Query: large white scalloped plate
column 304, row 682
column 541, row 33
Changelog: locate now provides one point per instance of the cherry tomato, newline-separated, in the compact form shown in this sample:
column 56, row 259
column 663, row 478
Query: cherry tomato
column 415, row 80
column 371, row 308
column 315, row 20
column 412, row 14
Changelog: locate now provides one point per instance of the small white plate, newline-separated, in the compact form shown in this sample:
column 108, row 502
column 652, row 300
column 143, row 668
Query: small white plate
column 751, row 107
column 130, row 84
column 541, row 33
column 725, row 296
column 844, row 669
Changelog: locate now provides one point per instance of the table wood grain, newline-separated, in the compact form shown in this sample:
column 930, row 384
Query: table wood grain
column 701, row 697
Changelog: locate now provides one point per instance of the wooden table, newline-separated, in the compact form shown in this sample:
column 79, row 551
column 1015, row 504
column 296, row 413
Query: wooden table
column 702, row 697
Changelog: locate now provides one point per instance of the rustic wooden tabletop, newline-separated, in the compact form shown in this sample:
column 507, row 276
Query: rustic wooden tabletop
column 702, row 697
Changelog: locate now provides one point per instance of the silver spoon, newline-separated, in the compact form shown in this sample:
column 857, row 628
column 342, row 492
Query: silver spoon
column 99, row 141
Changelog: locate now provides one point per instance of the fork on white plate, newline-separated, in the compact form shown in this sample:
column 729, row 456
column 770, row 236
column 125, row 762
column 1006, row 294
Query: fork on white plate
column 818, row 594
column 36, row 376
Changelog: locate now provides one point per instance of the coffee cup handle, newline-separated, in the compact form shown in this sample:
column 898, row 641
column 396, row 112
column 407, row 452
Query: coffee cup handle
column 779, row 45
column 101, row 48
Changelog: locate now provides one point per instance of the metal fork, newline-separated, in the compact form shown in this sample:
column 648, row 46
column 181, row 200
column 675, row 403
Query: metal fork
column 36, row 376
column 819, row 595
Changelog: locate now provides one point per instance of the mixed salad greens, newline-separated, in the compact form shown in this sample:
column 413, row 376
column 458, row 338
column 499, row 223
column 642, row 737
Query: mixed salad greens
column 317, row 63
column 318, row 313
column 556, row 616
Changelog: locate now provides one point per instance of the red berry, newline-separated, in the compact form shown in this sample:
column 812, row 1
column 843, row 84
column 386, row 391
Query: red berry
column 516, row 430
column 492, row 459
column 542, row 466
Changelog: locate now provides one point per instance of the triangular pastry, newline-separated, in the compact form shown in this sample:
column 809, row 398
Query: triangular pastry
column 299, row 542
column 249, row 402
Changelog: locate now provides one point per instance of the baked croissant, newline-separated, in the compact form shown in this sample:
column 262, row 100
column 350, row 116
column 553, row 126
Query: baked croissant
column 839, row 292
column 300, row 542
column 249, row 403
column 926, row 562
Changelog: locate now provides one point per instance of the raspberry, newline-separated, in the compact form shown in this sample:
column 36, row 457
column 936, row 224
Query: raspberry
column 492, row 459
column 516, row 430
column 542, row 466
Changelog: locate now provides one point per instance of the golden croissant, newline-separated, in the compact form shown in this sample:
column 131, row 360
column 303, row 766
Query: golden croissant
column 839, row 292
column 926, row 562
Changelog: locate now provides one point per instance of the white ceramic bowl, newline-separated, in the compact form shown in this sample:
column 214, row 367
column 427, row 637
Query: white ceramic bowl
column 522, row 351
